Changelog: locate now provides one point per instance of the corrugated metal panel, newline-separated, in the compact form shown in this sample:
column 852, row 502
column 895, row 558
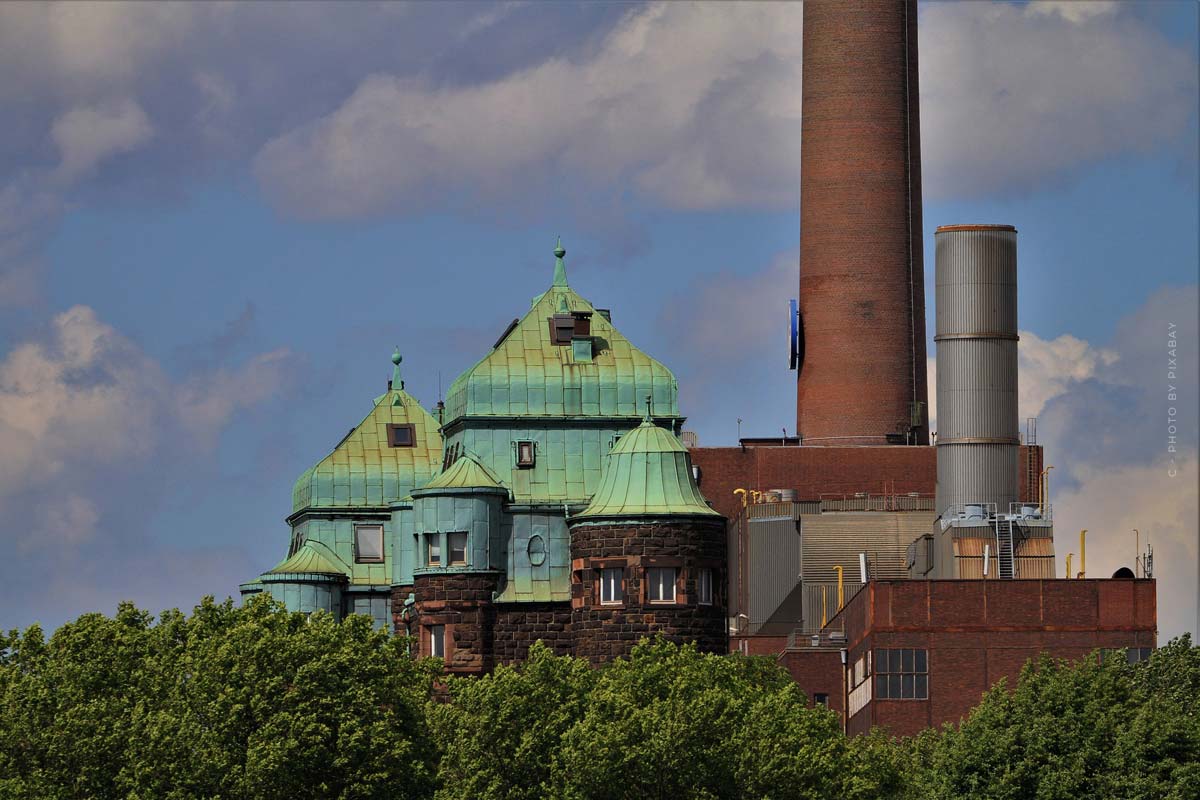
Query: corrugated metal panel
column 772, row 568
column 977, row 473
column 818, row 594
column 976, row 280
column 978, row 432
column 837, row 539
column 977, row 389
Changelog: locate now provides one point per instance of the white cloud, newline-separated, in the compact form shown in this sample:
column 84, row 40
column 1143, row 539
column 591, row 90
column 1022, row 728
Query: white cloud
column 85, row 400
column 1076, row 11
column 699, row 106
column 1046, row 368
column 647, row 105
column 1012, row 98
column 87, row 136
column 1160, row 501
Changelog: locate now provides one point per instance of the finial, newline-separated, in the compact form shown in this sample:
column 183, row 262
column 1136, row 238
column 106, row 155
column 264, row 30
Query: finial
column 395, row 383
column 649, row 409
column 560, row 270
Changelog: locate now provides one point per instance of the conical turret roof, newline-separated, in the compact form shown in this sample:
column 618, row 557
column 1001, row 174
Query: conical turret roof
column 648, row 473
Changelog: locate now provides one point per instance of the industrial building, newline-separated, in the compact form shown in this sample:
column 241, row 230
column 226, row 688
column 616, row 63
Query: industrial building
column 896, row 571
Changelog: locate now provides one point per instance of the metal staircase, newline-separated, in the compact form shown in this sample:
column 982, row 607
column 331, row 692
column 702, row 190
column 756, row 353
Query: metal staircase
column 1005, row 562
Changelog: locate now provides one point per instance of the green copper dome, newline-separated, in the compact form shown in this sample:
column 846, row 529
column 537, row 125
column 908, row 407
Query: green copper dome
column 526, row 374
column 647, row 473
column 365, row 469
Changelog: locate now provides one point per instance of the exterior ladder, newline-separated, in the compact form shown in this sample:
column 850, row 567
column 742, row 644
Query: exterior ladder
column 1005, row 562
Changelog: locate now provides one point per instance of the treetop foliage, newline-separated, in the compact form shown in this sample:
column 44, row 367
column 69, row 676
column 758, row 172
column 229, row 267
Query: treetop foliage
column 256, row 702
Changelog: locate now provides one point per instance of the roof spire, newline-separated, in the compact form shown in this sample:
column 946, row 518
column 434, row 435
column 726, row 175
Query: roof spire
column 649, row 409
column 395, row 383
column 560, row 270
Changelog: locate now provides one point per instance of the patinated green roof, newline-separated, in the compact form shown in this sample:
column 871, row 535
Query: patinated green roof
column 363, row 470
column 527, row 375
column 647, row 473
column 465, row 473
column 309, row 560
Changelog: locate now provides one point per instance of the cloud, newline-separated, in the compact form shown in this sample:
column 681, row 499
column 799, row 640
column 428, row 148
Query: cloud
column 699, row 107
column 1076, row 11
column 666, row 101
column 1012, row 97
column 87, row 136
column 1046, row 368
column 1160, row 501
column 84, row 401
column 98, row 440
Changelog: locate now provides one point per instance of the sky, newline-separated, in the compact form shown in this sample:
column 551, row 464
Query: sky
column 217, row 220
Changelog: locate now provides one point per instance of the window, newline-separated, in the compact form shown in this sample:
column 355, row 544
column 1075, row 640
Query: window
column 704, row 592
column 660, row 584
column 435, row 549
column 902, row 674
column 1136, row 655
column 612, row 593
column 401, row 436
column 821, row 699
column 437, row 641
column 368, row 543
column 525, row 454
column 458, row 548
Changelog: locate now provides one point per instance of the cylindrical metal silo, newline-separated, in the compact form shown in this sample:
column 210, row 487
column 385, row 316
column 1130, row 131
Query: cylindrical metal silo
column 978, row 437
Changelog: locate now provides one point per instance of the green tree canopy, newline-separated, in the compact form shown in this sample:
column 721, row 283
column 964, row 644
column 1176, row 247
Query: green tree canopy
column 249, row 702
column 1095, row 728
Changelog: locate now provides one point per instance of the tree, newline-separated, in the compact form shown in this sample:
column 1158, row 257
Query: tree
column 499, row 733
column 672, row 722
column 249, row 702
column 1096, row 728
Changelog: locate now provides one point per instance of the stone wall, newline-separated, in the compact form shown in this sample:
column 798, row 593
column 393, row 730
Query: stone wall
column 605, row 632
column 462, row 601
column 519, row 625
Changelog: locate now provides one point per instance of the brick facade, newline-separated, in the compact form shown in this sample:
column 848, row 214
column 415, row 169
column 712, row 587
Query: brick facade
column 975, row 633
column 832, row 471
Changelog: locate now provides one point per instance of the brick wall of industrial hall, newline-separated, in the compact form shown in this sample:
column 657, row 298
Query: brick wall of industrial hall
column 977, row 632
column 818, row 471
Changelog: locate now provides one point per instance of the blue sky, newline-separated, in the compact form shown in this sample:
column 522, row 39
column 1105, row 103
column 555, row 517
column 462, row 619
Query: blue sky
column 217, row 221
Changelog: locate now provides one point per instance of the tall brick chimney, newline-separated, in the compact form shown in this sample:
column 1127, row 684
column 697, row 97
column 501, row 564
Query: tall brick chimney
column 862, row 379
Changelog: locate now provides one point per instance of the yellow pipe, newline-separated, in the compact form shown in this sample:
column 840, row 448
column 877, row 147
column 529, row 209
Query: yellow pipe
column 824, row 612
column 1046, row 488
column 1137, row 551
column 841, row 590
column 1069, row 564
column 1082, row 554
column 756, row 494
column 742, row 492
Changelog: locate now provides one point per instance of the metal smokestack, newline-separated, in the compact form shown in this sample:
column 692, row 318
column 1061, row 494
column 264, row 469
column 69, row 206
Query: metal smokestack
column 977, row 430
column 862, row 373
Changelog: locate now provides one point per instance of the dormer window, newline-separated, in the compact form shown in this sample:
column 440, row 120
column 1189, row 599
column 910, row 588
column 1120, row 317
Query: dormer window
column 526, row 454
column 404, row 435
column 562, row 328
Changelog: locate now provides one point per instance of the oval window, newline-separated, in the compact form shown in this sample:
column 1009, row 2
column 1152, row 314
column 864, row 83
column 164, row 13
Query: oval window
column 536, row 550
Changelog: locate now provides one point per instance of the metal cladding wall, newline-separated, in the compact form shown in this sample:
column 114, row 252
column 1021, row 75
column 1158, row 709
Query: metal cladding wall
column 978, row 438
column 861, row 272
